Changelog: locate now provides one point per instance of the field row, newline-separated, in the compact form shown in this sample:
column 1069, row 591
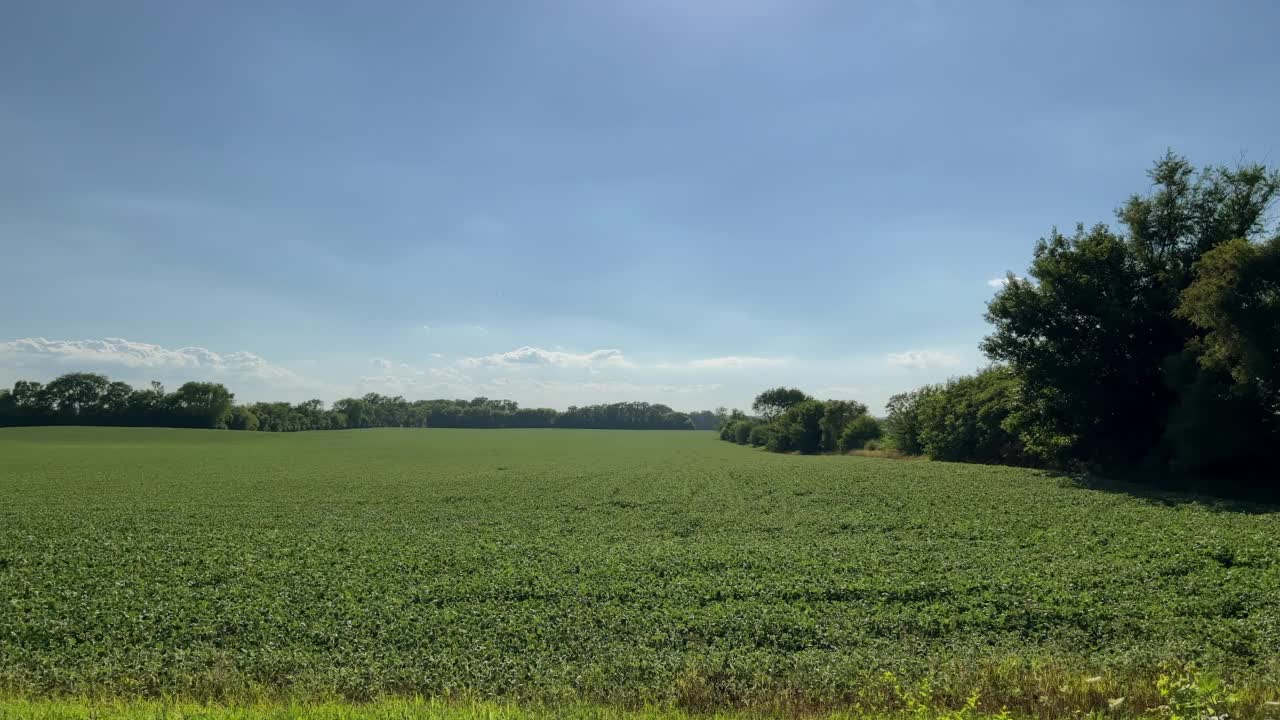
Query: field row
column 606, row 567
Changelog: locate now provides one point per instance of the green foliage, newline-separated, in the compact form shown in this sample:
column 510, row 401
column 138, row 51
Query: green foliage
column 799, row 429
column 624, row 416
column 838, row 415
column 775, row 401
column 902, row 424
column 8, row 409
column 88, row 399
column 737, row 431
column 1235, row 304
column 242, row 419
column 860, row 431
column 806, row 425
column 777, row 438
column 1071, row 337
column 1189, row 694
column 92, row 399
column 74, row 395
column 707, row 419
column 1099, row 340
column 760, row 434
column 200, row 405
column 1217, row 427
column 618, row 567
column 965, row 419
column 416, row 708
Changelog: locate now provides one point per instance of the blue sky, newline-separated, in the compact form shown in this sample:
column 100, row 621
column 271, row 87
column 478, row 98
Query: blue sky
column 679, row 201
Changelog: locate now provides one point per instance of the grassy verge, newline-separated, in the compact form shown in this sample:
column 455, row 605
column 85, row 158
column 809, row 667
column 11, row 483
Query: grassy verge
column 391, row 710
column 1178, row 695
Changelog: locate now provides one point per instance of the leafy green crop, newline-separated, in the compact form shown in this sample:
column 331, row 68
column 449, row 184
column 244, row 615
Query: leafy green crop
column 615, row 567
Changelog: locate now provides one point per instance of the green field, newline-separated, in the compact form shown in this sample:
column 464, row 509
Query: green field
column 621, row 569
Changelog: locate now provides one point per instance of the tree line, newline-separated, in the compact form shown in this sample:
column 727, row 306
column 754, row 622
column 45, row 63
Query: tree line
column 1151, row 351
column 788, row 420
column 93, row 399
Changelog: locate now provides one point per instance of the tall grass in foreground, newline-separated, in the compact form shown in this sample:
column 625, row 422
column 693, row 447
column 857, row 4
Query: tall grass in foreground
column 1179, row 695
column 386, row 710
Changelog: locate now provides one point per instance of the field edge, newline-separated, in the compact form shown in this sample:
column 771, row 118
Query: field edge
column 422, row 709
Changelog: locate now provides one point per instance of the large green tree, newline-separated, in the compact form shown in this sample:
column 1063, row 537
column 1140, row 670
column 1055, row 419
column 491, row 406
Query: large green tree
column 775, row 401
column 201, row 405
column 1102, row 356
column 75, row 394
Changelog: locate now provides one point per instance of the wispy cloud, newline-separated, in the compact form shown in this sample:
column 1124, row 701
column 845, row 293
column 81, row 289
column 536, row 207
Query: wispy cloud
column 451, row 382
column 921, row 359
column 606, row 387
column 537, row 357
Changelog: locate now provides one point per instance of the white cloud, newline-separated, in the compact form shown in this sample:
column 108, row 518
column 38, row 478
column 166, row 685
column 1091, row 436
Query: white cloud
column 405, row 379
column 1001, row 282
column 537, row 357
column 249, row 376
column 121, row 353
column 921, row 359
column 437, row 356
column 253, row 378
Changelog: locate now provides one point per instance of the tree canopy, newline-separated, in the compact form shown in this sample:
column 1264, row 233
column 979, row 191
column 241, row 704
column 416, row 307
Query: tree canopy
column 1130, row 348
column 776, row 401
column 90, row 399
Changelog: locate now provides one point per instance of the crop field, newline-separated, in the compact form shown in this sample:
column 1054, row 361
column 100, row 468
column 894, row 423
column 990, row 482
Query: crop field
column 620, row 569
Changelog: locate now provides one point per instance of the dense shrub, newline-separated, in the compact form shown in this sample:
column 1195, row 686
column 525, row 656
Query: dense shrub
column 242, row 419
column 760, row 434
column 801, row 426
column 836, row 418
column 776, row 439
column 804, row 426
column 964, row 420
column 727, row 432
column 902, row 424
column 859, row 432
